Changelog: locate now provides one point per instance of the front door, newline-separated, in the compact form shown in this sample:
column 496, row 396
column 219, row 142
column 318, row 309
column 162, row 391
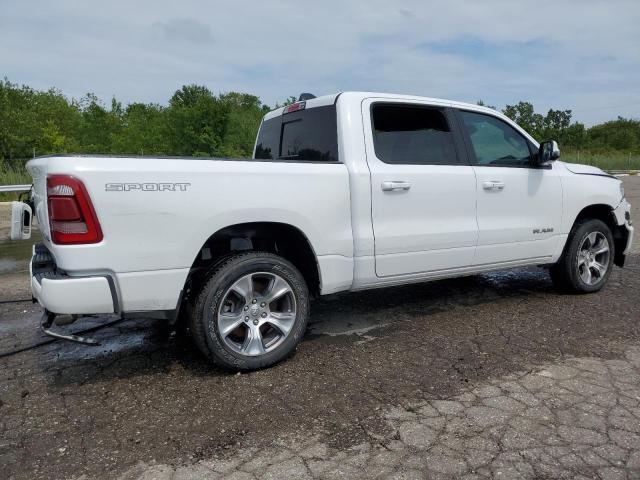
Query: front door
column 519, row 202
column 423, row 196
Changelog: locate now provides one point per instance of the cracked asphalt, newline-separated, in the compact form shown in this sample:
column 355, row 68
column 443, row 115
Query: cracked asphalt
column 492, row 376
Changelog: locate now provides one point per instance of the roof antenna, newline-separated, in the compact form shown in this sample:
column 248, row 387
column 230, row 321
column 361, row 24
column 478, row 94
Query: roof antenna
column 306, row 96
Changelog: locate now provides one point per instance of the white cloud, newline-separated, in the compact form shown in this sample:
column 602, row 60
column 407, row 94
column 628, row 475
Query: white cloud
column 584, row 56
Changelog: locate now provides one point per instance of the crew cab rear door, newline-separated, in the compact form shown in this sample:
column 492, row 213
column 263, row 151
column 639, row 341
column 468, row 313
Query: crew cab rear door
column 423, row 195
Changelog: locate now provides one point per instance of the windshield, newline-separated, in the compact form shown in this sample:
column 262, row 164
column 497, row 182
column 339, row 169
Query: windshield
column 305, row 135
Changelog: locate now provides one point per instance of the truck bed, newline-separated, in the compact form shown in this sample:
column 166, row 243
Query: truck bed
column 156, row 213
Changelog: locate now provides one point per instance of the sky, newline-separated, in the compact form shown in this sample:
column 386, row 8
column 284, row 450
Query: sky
column 582, row 55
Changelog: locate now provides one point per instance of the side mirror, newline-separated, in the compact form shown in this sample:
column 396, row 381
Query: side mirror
column 548, row 152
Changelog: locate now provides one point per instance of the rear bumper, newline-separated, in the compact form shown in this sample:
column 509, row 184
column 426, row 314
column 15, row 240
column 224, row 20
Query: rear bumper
column 63, row 294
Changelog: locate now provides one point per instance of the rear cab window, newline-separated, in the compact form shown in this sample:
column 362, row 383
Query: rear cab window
column 310, row 134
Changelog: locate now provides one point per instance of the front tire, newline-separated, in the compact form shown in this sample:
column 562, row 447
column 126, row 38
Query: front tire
column 251, row 312
column 587, row 260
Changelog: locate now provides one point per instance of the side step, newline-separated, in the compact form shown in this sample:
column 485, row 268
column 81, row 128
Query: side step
column 46, row 323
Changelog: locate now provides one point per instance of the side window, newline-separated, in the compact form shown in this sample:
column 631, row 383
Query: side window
column 412, row 135
column 495, row 143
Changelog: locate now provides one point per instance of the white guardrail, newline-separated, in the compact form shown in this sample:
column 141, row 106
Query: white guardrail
column 14, row 188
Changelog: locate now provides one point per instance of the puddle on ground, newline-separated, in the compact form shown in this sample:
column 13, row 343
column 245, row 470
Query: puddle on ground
column 361, row 326
column 501, row 277
column 109, row 345
column 15, row 255
column 121, row 337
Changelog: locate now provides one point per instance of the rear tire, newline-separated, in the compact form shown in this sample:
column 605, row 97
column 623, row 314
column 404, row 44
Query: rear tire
column 587, row 259
column 251, row 311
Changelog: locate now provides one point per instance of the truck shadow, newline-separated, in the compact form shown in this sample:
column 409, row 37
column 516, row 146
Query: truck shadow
column 141, row 347
column 349, row 313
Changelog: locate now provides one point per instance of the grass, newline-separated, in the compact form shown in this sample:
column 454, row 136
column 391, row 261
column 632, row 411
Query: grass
column 605, row 161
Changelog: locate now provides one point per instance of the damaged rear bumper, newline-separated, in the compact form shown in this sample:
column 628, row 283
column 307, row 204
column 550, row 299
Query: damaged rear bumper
column 61, row 293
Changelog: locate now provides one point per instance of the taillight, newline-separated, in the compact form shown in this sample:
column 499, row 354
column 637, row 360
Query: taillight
column 72, row 219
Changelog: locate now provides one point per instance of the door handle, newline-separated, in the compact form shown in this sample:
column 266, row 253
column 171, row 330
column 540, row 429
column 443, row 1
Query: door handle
column 493, row 185
column 389, row 186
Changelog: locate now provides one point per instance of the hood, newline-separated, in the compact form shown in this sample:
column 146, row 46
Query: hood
column 584, row 169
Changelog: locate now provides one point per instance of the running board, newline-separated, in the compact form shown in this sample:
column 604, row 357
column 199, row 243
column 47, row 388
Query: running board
column 46, row 323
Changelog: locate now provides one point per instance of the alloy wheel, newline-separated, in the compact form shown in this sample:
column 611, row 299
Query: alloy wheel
column 256, row 313
column 593, row 258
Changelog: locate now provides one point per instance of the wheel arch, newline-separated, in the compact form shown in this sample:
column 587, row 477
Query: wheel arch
column 283, row 239
column 604, row 212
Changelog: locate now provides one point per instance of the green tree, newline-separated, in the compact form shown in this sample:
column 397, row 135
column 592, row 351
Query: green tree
column 99, row 126
column 197, row 122
column 34, row 122
column 18, row 121
column 622, row 134
column 245, row 115
column 525, row 116
column 145, row 131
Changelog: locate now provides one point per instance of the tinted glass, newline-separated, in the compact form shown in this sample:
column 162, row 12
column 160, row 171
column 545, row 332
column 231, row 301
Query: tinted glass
column 495, row 142
column 406, row 134
column 268, row 145
column 310, row 134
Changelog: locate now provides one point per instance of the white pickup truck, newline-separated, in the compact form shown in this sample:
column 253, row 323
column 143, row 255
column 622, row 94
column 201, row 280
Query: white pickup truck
column 344, row 192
